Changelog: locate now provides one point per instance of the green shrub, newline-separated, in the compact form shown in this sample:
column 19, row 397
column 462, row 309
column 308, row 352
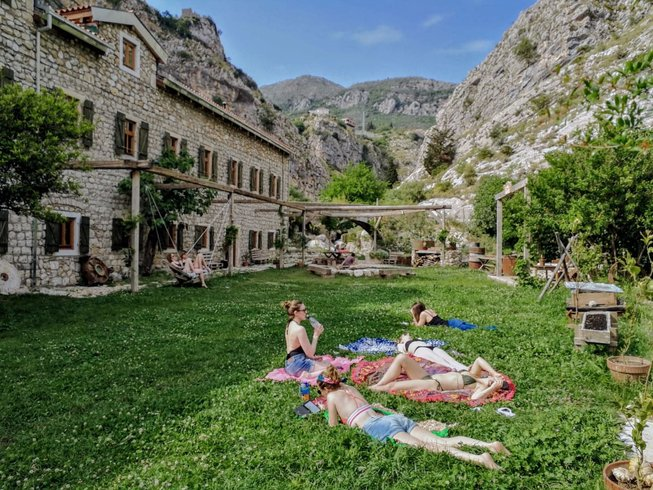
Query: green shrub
column 541, row 105
column 441, row 151
column 484, row 153
column 379, row 254
column 497, row 133
column 506, row 150
column 526, row 50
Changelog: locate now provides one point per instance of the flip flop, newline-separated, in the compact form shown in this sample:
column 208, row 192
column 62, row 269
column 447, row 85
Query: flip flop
column 506, row 412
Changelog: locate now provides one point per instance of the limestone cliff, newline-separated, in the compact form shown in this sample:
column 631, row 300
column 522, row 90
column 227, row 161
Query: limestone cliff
column 525, row 99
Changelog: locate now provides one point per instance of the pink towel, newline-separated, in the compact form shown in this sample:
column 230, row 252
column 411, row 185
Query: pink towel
column 342, row 363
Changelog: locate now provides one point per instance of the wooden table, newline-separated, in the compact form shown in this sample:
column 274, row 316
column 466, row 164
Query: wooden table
column 546, row 268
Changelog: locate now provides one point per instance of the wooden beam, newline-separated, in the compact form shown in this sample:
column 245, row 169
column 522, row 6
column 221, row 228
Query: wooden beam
column 109, row 165
column 169, row 187
column 310, row 207
column 511, row 189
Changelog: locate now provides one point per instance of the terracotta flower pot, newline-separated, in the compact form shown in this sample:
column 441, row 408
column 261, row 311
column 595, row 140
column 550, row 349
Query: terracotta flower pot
column 608, row 480
column 628, row 368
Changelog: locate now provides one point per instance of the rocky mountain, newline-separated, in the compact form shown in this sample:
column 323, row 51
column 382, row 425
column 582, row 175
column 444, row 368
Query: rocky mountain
column 525, row 99
column 410, row 102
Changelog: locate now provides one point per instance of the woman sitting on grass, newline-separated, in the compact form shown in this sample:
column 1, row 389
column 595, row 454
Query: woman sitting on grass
column 300, row 351
column 418, row 348
column 453, row 381
column 347, row 403
column 423, row 316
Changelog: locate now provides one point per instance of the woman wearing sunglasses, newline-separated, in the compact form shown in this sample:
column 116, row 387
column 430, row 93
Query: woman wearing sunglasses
column 300, row 352
column 345, row 403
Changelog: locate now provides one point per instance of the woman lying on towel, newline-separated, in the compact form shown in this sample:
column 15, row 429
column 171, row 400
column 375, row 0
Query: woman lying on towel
column 425, row 316
column 300, row 352
column 453, row 381
column 407, row 345
column 346, row 402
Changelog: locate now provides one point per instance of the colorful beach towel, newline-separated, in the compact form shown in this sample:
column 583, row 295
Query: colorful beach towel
column 364, row 369
column 372, row 345
column 342, row 363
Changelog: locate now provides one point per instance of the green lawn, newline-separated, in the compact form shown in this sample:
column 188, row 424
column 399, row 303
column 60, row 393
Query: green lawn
column 159, row 388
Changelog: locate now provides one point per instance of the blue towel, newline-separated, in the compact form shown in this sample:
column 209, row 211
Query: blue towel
column 370, row 345
column 463, row 325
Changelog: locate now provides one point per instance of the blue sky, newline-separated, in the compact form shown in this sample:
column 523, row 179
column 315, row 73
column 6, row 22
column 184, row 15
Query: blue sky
column 350, row 41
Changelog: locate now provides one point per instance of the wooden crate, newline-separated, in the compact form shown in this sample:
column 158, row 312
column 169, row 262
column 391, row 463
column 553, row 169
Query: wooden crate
column 596, row 299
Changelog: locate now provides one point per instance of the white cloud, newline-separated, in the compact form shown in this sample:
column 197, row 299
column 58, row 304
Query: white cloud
column 380, row 35
column 477, row 46
column 433, row 20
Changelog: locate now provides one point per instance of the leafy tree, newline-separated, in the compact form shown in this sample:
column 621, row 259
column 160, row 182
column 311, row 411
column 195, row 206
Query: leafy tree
column 162, row 207
column 440, row 152
column 484, row 219
column 40, row 134
column 357, row 184
column 601, row 188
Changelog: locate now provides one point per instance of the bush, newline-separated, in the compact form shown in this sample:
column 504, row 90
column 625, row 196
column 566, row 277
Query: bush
column 379, row 254
column 484, row 153
column 541, row 105
column 300, row 125
column 440, row 152
column 506, row 150
column 497, row 133
column 526, row 50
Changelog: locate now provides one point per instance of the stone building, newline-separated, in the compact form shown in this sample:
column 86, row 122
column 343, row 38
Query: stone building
column 107, row 60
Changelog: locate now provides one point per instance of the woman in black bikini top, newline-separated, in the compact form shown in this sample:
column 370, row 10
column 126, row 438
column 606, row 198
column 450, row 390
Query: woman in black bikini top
column 423, row 316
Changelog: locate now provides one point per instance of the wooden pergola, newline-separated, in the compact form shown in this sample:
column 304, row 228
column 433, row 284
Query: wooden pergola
column 190, row 181
column 508, row 190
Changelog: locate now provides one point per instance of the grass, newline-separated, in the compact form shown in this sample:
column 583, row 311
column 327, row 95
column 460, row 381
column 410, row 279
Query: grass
column 159, row 389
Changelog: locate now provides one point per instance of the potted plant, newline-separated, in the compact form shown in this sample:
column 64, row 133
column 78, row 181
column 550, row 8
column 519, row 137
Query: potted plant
column 636, row 472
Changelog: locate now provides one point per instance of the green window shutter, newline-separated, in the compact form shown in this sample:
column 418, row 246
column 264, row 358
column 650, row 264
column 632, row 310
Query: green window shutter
column 259, row 243
column 200, row 162
column 251, row 178
column 270, row 185
column 143, row 140
column 180, row 236
column 167, row 142
column 119, row 140
column 260, row 182
column 88, row 112
column 117, row 234
column 214, row 167
column 6, row 76
column 183, row 146
column 250, row 243
column 4, row 231
column 211, row 238
column 231, row 172
column 52, row 235
column 278, row 188
column 270, row 239
column 84, row 235
column 240, row 175
column 198, row 234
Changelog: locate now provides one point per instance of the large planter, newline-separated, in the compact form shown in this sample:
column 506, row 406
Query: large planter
column 608, row 480
column 508, row 263
column 629, row 368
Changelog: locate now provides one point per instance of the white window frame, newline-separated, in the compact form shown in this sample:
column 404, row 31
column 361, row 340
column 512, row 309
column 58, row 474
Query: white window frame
column 137, row 70
column 68, row 252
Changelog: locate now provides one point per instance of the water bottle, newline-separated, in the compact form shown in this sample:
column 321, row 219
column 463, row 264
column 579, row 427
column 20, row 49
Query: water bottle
column 313, row 321
column 305, row 391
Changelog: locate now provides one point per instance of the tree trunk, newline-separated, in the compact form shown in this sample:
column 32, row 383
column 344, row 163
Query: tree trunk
column 149, row 250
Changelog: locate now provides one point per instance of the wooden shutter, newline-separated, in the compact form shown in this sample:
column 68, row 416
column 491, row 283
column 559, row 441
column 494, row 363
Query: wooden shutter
column 200, row 162
column 251, row 178
column 214, row 167
column 270, row 239
column 183, row 146
column 119, row 139
column 143, row 140
column 270, row 185
column 259, row 240
column 4, row 231
column 260, row 182
column 230, row 166
column 198, row 234
column 251, row 239
column 167, row 142
column 211, row 239
column 88, row 112
column 52, row 235
column 180, row 236
column 6, row 76
column 84, row 235
column 278, row 188
column 240, row 175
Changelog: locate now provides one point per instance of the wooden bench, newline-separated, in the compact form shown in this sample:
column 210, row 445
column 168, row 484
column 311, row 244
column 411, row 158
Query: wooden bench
column 212, row 262
column 261, row 256
column 393, row 258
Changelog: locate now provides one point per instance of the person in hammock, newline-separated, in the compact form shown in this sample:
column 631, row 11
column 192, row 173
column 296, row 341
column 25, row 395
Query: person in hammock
column 419, row 379
column 345, row 403
column 194, row 267
column 300, row 352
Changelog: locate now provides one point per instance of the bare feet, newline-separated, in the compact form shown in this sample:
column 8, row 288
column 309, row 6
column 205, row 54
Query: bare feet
column 487, row 461
column 497, row 447
column 205, row 286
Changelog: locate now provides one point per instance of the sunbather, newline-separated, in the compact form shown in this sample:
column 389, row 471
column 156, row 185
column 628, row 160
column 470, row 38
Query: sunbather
column 418, row 348
column 300, row 351
column 347, row 403
column 425, row 316
column 453, row 381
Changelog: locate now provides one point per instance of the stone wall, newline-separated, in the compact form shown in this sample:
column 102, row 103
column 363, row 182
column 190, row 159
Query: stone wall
column 86, row 74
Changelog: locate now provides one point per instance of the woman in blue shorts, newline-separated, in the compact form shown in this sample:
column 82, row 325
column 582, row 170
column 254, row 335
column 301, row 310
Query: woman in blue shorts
column 300, row 352
column 346, row 402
